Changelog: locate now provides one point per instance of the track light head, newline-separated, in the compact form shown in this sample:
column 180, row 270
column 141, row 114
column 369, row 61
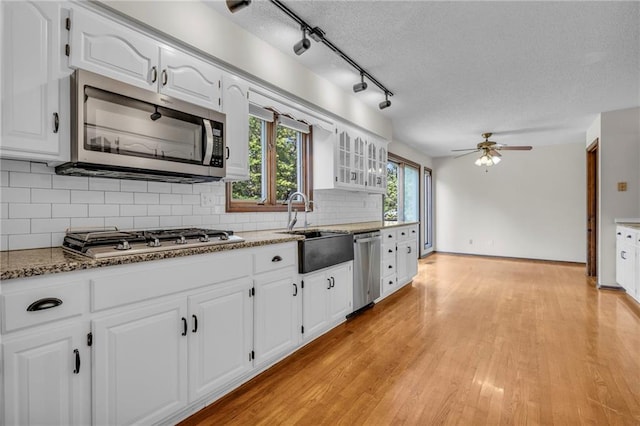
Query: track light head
column 359, row 87
column 386, row 103
column 236, row 5
column 303, row 45
column 156, row 115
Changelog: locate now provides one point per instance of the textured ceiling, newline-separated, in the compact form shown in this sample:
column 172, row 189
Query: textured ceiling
column 534, row 73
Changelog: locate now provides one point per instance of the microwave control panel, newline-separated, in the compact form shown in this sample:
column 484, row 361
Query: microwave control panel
column 217, row 159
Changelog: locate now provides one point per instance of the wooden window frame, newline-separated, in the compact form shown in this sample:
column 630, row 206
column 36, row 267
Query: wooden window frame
column 271, row 204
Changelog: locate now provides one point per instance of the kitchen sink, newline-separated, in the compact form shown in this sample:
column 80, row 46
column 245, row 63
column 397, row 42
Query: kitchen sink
column 321, row 249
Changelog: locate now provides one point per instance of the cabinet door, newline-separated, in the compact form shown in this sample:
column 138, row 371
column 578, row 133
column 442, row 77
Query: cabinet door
column 315, row 302
column 621, row 258
column 406, row 261
column 111, row 49
column 41, row 383
column 372, row 165
column 188, row 78
column 341, row 293
column 276, row 320
column 235, row 105
column 31, row 51
column 344, row 174
column 140, row 360
column 221, row 338
column 359, row 169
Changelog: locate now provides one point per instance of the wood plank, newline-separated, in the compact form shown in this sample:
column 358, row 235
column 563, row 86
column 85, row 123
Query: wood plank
column 473, row 340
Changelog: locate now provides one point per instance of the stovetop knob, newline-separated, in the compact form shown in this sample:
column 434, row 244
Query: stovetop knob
column 124, row 245
column 181, row 240
column 154, row 243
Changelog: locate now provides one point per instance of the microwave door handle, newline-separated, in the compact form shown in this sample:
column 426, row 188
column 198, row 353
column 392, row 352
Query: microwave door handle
column 208, row 152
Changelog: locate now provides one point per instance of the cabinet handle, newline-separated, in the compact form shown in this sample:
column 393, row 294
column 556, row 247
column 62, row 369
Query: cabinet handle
column 390, row 266
column 408, row 249
column 56, row 122
column 333, row 282
column 329, row 286
column 353, row 175
column 228, row 153
column 276, row 259
column 622, row 254
column 154, row 74
column 402, row 233
column 184, row 326
column 379, row 180
column 164, row 77
column 295, row 288
column 413, row 231
column 76, row 370
column 628, row 236
column 390, row 251
column 195, row 323
column 619, row 233
column 390, row 282
column 389, row 236
column 42, row 304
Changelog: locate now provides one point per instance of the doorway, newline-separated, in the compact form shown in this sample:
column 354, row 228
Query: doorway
column 592, row 208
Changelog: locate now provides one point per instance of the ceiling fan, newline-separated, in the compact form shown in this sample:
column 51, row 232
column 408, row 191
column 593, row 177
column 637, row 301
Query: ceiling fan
column 489, row 149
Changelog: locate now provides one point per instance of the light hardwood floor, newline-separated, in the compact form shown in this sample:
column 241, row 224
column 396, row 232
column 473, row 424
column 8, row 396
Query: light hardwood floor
column 472, row 341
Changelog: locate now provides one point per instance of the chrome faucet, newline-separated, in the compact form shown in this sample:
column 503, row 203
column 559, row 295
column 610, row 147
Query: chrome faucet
column 291, row 222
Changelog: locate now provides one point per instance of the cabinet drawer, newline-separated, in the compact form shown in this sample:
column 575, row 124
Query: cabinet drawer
column 274, row 257
column 389, row 266
column 408, row 233
column 43, row 305
column 388, row 283
column 388, row 236
column 389, row 250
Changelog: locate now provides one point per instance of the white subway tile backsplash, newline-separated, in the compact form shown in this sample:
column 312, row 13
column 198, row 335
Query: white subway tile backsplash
column 50, row 196
column 181, row 188
column 142, row 198
column 118, row 198
column 15, row 195
column 28, row 211
column 70, row 182
column 87, row 197
column 26, row 241
column 170, row 199
column 146, row 222
column 104, row 184
column 16, row 226
column 69, row 210
column 39, row 226
column 37, row 216
column 87, row 222
column 104, row 210
column 133, row 210
column 159, row 187
column 15, row 166
column 29, row 180
column 133, row 186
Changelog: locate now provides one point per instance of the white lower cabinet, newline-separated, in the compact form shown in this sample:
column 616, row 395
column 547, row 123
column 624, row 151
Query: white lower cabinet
column 140, row 364
column 221, row 336
column 628, row 260
column 277, row 313
column 399, row 257
column 327, row 297
column 47, row 377
column 406, row 261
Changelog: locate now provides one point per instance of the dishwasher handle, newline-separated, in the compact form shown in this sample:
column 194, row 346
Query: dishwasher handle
column 365, row 240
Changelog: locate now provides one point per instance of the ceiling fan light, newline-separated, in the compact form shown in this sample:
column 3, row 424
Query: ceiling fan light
column 479, row 162
column 496, row 160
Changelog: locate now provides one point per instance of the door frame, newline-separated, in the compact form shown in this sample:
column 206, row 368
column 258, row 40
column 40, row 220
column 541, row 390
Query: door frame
column 593, row 160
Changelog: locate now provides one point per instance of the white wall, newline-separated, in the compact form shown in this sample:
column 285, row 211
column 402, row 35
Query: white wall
column 619, row 133
column 403, row 150
column 531, row 205
column 201, row 27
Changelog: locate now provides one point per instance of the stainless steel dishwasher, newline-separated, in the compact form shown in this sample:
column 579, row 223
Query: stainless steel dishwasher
column 366, row 270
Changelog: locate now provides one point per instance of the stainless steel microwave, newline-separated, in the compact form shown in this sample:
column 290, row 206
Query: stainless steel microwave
column 123, row 131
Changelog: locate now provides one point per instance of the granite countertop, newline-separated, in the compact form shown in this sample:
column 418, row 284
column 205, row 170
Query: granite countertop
column 34, row 262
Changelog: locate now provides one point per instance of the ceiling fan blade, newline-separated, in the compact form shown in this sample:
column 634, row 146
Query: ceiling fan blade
column 496, row 153
column 515, row 148
column 466, row 149
column 467, row 153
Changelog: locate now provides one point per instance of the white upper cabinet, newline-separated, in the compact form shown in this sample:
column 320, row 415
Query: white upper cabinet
column 349, row 160
column 106, row 47
column 235, row 104
column 33, row 117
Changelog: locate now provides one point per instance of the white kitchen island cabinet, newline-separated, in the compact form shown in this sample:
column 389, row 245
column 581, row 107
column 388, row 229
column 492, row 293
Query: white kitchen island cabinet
column 35, row 110
column 399, row 258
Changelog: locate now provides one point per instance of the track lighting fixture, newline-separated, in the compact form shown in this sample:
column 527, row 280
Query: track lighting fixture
column 300, row 47
column 386, row 103
column 236, row 5
column 359, row 87
column 156, row 115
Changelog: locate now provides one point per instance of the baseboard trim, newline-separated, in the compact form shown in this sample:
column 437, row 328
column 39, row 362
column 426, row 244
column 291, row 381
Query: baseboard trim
column 515, row 259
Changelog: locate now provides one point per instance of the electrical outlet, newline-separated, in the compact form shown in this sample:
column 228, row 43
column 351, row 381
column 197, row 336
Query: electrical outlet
column 622, row 186
column 206, row 199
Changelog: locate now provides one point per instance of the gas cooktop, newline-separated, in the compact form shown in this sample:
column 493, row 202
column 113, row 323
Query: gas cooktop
column 112, row 242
